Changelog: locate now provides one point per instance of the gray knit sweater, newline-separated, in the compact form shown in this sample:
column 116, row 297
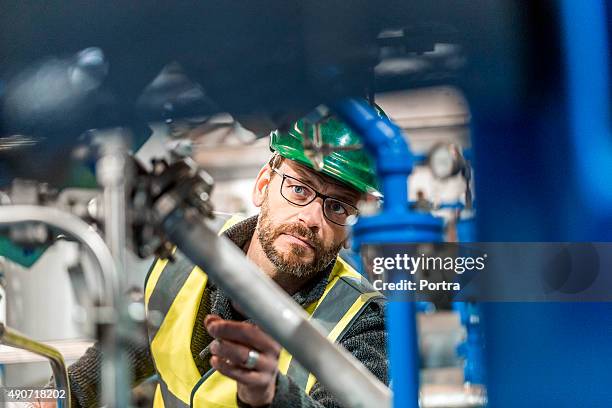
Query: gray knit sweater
column 365, row 339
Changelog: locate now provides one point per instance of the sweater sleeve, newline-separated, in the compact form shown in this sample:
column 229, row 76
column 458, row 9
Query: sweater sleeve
column 366, row 340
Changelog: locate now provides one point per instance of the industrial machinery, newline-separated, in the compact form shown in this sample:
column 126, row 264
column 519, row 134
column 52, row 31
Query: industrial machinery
column 537, row 79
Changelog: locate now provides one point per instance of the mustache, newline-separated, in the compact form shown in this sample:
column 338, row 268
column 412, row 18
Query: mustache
column 300, row 231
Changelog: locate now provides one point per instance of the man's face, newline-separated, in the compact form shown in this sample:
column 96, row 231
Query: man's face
column 300, row 240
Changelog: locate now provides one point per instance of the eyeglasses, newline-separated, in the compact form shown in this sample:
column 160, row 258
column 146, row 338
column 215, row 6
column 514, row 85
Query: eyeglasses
column 299, row 193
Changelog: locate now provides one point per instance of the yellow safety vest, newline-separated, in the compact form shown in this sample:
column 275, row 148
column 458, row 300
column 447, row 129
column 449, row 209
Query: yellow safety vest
column 174, row 290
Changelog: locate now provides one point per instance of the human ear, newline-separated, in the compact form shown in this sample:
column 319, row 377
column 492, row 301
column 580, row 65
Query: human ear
column 261, row 185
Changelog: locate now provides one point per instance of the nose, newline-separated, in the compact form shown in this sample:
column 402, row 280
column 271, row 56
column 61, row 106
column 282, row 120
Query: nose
column 311, row 215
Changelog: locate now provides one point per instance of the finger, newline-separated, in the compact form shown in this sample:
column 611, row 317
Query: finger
column 244, row 333
column 211, row 318
column 242, row 375
column 238, row 354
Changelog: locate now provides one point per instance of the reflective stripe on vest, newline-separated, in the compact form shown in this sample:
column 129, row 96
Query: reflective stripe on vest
column 173, row 292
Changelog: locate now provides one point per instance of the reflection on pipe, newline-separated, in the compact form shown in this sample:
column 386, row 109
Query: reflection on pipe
column 15, row 339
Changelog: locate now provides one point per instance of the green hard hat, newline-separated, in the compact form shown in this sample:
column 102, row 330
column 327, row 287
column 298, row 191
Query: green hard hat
column 351, row 166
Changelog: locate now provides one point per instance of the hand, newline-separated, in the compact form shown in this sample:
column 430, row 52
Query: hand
column 230, row 350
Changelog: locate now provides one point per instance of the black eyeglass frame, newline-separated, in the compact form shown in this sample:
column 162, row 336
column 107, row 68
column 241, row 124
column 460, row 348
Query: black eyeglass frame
column 317, row 194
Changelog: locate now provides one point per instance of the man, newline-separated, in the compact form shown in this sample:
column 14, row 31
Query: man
column 205, row 352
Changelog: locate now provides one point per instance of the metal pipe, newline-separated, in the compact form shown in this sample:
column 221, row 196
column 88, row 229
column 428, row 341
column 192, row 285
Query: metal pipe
column 112, row 175
column 403, row 351
column 15, row 339
column 272, row 308
column 107, row 310
column 111, row 172
column 384, row 140
column 2, row 314
column 75, row 227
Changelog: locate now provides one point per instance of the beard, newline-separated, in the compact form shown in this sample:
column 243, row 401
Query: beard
column 290, row 263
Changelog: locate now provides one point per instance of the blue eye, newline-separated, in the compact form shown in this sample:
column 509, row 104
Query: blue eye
column 299, row 190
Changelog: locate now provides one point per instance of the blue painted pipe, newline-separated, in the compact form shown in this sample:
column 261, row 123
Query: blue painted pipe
column 556, row 354
column 586, row 51
column 384, row 140
column 395, row 224
column 471, row 349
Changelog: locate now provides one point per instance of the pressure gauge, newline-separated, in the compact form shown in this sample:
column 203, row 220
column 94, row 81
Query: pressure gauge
column 445, row 160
